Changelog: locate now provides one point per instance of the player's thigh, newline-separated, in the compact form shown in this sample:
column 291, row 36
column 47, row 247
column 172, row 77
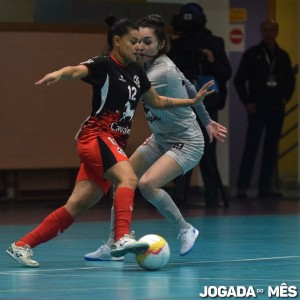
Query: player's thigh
column 122, row 174
column 164, row 170
column 139, row 163
column 146, row 155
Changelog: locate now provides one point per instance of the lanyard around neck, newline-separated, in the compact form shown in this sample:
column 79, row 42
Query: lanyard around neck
column 270, row 63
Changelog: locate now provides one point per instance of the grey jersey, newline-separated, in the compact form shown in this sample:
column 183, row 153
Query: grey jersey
column 168, row 81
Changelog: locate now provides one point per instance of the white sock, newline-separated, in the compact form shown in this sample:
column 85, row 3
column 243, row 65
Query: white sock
column 111, row 238
column 166, row 206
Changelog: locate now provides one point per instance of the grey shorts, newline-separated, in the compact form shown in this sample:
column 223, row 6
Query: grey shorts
column 185, row 147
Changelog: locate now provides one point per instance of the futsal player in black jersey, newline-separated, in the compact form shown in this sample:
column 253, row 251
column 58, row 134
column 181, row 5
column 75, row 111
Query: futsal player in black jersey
column 118, row 82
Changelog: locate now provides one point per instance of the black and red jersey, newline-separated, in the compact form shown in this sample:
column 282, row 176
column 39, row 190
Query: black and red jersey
column 117, row 88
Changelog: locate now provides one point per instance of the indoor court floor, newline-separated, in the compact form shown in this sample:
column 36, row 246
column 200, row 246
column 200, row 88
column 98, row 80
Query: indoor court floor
column 250, row 250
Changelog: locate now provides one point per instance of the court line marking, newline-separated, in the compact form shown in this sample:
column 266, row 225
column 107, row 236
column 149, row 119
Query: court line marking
column 245, row 259
column 38, row 271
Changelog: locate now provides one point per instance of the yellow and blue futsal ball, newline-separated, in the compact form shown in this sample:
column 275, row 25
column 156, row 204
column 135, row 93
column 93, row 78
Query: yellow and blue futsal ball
column 158, row 254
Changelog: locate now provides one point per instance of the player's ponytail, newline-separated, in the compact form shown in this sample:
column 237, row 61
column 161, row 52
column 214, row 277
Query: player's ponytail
column 110, row 19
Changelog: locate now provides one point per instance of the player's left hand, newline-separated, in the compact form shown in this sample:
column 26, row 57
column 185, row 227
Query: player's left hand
column 217, row 131
column 205, row 90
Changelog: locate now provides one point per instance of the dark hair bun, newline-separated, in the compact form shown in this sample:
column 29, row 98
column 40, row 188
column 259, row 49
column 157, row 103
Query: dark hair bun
column 110, row 20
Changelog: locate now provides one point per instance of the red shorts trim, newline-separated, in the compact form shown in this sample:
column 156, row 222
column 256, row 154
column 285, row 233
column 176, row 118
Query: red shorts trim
column 98, row 153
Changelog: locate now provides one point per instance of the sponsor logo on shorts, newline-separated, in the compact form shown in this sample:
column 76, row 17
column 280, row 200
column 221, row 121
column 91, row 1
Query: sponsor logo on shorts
column 113, row 141
column 177, row 147
column 120, row 150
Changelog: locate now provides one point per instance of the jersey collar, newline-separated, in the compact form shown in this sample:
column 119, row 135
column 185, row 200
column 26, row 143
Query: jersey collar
column 117, row 61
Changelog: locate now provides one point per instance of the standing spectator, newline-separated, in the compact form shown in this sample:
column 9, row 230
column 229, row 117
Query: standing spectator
column 265, row 82
column 201, row 56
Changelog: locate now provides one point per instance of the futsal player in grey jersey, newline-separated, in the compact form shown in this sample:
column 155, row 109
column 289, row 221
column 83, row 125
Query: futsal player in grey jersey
column 176, row 144
column 176, row 130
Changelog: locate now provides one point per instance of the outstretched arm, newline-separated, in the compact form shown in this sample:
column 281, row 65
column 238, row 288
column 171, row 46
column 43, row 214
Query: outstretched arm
column 66, row 73
column 213, row 129
column 199, row 107
column 162, row 102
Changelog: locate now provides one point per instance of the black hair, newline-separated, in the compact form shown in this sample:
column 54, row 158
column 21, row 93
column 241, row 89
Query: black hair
column 118, row 27
column 156, row 23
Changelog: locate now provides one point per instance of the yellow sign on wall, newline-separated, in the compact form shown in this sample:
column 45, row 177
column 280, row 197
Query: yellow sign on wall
column 238, row 15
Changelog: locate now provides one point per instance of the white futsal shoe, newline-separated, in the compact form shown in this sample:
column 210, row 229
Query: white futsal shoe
column 102, row 254
column 128, row 244
column 22, row 255
column 187, row 238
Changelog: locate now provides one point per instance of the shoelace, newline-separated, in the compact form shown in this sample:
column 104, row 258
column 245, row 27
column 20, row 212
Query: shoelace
column 182, row 234
column 27, row 251
column 131, row 235
column 104, row 244
column 103, row 248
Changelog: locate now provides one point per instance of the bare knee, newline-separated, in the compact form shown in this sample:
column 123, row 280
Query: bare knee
column 130, row 181
column 147, row 188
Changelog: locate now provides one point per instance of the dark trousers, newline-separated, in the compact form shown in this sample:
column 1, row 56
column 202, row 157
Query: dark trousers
column 267, row 121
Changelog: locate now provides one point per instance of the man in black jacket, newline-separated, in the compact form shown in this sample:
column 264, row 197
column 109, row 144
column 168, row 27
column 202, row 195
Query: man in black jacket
column 265, row 82
column 201, row 56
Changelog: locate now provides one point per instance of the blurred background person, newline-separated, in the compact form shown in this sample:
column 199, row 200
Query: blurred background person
column 265, row 81
column 201, row 56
